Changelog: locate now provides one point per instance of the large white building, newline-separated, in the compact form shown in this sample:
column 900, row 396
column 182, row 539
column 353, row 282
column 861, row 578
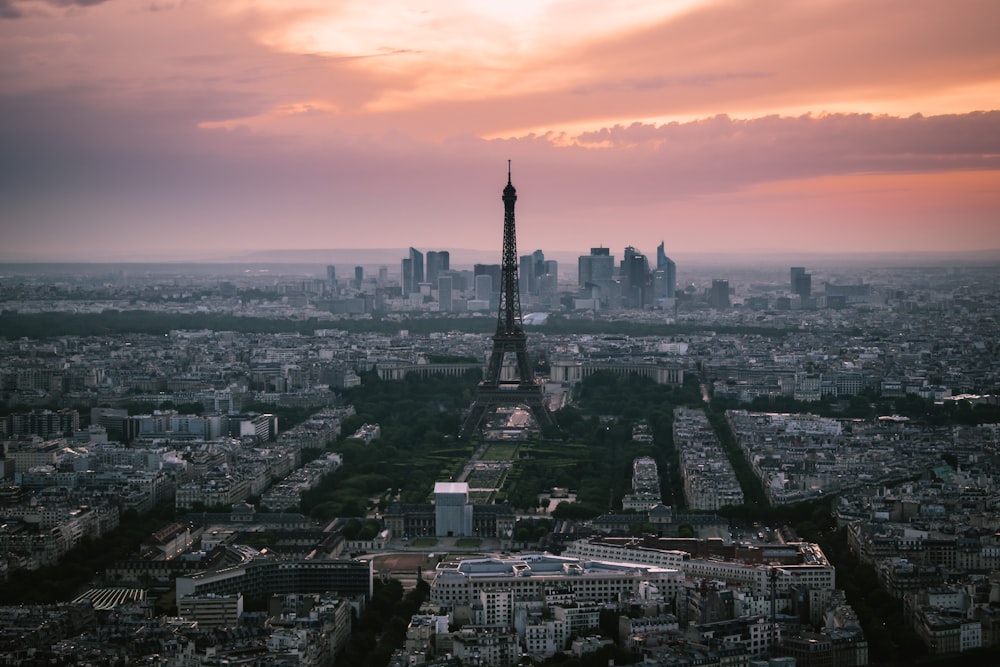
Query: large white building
column 794, row 564
column 536, row 576
column 452, row 509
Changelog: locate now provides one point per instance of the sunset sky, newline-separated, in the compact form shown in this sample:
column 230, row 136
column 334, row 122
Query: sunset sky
column 201, row 129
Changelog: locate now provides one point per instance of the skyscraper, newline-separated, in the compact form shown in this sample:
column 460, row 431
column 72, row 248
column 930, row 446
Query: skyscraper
column 437, row 261
column 661, row 256
column 718, row 297
column 418, row 268
column 493, row 271
column 794, row 273
column 636, row 279
column 595, row 273
column 406, row 273
column 660, row 282
column 461, row 280
column 602, row 266
column 359, row 276
column 668, row 282
column 584, row 271
column 525, row 274
column 803, row 286
column 445, row 301
column 484, row 287
column 548, row 282
column 801, row 282
column 413, row 271
column 539, row 269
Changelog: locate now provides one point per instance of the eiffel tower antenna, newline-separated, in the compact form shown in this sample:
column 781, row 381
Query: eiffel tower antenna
column 492, row 392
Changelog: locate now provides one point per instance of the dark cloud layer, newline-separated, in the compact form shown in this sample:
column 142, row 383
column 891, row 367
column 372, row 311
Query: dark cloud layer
column 213, row 126
column 75, row 165
column 9, row 10
column 59, row 137
column 13, row 9
column 723, row 153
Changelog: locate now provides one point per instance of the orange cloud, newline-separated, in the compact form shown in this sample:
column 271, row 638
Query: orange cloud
column 347, row 121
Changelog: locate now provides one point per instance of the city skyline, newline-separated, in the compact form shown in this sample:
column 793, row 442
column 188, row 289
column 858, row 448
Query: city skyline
column 179, row 131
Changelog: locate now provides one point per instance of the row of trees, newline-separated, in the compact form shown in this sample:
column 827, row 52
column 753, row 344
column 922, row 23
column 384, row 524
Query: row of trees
column 381, row 627
column 89, row 558
column 111, row 322
column 44, row 325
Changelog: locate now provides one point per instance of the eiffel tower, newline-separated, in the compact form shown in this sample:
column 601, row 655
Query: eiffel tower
column 492, row 392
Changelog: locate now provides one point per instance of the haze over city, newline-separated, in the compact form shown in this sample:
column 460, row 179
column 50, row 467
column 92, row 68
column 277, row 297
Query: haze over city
column 183, row 131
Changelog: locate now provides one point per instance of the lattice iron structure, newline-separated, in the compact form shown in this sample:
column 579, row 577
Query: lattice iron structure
column 526, row 391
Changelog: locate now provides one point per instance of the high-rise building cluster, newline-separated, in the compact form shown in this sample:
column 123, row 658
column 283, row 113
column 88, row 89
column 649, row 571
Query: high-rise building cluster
column 432, row 279
column 632, row 284
column 604, row 282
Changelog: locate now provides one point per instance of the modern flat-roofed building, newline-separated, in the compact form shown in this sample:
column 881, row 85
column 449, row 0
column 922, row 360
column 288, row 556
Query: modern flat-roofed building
column 266, row 576
column 535, row 576
column 795, row 564
column 212, row 611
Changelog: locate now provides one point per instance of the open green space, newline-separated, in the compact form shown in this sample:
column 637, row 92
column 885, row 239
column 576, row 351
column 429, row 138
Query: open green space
column 420, row 418
column 594, row 457
column 418, row 447
column 498, row 451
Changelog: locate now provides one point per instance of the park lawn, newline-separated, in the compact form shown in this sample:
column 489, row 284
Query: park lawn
column 425, row 542
column 500, row 452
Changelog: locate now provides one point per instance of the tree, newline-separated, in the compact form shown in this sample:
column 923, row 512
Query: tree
column 685, row 530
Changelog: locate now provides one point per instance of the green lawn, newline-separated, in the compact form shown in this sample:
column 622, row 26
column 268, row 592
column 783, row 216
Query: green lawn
column 500, row 452
column 425, row 542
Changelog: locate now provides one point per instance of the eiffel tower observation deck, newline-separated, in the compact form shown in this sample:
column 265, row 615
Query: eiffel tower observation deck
column 493, row 393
